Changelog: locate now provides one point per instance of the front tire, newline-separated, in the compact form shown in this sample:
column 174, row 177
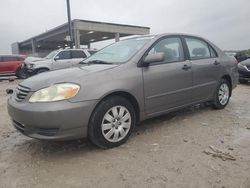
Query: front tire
column 222, row 95
column 39, row 71
column 21, row 74
column 112, row 122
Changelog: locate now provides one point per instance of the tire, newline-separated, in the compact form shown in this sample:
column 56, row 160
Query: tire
column 243, row 81
column 222, row 95
column 21, row 74
column 39, row 71
column 112, row 122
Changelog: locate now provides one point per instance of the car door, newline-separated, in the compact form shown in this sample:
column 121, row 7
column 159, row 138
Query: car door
column 167, row 84
column 2, row 71
column 206, row 68
column 62, row 60
column 8, row 64
column 77, row 56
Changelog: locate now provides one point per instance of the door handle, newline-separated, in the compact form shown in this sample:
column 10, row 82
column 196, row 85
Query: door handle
column 186, row 67
column 216, row 62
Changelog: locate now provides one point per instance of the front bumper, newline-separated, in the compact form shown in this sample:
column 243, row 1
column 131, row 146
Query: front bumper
column 28, row 70
column 61, row 120
column 244, row 74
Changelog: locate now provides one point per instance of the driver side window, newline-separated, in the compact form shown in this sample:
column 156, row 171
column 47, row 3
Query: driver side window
column 172, row 49
column 64, row 55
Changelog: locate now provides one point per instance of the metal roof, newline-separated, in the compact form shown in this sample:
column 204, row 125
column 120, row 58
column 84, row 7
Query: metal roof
column 90, row 31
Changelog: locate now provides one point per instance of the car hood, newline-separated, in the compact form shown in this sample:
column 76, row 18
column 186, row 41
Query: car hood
column 64, row 75
column 246, row 62
column 32, row 59
column 41, row 61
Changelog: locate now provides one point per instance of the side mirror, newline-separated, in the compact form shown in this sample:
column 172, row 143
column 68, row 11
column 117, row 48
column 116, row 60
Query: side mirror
column 153, row 58
column 56, row 58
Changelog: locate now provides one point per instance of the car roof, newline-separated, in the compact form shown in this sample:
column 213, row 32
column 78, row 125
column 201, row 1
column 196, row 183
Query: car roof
column 13, row 55
column 68, row 49
column 165, row 34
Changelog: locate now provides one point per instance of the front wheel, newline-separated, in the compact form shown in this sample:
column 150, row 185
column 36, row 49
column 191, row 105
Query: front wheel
column 112, row 122
column 21, row 73
column 222, row 95
column 39, row 71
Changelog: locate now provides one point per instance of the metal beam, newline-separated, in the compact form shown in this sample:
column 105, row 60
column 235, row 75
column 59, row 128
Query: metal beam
column 69, row 24
column 104, row 27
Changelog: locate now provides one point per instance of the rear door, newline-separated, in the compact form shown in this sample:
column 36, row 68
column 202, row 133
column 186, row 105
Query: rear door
column 62, row 60
column 9, row 64
column 167, row 84
column 77, row 56
column 206, row 67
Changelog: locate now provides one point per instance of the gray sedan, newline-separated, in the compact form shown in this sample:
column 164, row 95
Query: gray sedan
column 121, row 85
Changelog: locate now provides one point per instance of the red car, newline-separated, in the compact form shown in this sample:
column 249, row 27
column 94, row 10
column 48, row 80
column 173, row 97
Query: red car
column 12, row 65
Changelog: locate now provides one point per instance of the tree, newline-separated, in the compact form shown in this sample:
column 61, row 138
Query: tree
column 248, row 52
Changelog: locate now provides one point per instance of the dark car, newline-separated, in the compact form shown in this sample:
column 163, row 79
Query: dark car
column 239, row 55
column 244, row 71
column 12, row 65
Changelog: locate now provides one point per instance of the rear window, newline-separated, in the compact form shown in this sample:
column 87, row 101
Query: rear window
column 199, row 49
column 64, row 55
column 20, row 58
column 78, row 54
column 92, row 52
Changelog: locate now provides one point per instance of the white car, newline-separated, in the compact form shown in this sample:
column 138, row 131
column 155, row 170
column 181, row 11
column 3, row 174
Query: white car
column 58, row 59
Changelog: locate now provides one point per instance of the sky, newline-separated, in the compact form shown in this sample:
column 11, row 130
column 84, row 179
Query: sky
column 224, row 22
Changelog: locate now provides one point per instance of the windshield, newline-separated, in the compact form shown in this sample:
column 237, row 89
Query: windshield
column 119, row 52
column 51, row 54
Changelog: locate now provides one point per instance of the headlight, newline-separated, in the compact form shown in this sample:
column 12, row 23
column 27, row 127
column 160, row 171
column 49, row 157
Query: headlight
column 241, row 66
column 56, row 92
column 30, row 66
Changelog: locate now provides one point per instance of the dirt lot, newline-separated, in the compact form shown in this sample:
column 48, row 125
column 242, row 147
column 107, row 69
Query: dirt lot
column 163, row 152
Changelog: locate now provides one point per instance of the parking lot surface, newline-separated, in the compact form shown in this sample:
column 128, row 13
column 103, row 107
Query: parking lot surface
column 168, row 151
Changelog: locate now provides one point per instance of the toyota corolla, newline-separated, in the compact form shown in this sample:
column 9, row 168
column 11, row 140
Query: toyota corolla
column 121, row 85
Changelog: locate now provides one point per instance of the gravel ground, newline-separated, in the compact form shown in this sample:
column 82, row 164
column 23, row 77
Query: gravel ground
column 167, row 151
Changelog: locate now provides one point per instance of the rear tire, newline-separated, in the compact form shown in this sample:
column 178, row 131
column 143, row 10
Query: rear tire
column 222, row 95
column 112, row 122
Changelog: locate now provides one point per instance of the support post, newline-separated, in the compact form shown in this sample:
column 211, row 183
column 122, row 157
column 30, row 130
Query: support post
column 15, row 48
column 77, row 39
column 33, row 46
column 69, row 23
column 117, row 37
column 89, row 45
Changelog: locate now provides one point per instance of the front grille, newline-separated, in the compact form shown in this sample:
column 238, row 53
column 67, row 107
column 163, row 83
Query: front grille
column 18, row 126
column 41, row 131
column 21, row 92
column 47, row 131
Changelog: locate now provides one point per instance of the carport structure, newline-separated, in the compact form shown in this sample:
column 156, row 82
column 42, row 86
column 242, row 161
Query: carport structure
column 84, row 33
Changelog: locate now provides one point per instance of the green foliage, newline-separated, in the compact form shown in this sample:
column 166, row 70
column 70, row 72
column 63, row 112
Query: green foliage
column 247, row 52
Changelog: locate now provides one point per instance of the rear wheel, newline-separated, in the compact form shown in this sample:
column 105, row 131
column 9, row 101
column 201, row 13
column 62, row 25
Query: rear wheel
column 222, row 95
column 112, row 122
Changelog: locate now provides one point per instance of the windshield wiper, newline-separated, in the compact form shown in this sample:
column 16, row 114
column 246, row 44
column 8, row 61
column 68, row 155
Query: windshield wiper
column 96, row 62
